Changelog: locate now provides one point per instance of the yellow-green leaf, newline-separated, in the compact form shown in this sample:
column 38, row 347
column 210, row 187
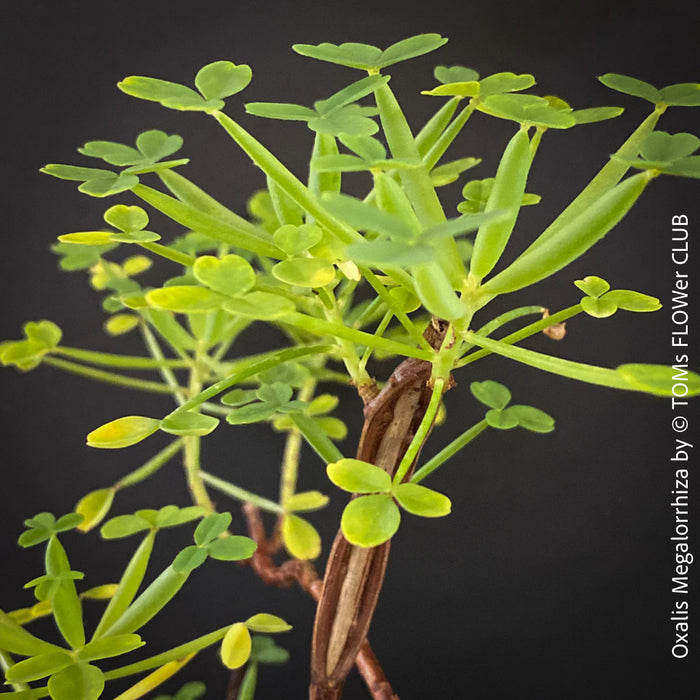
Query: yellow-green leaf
column 266, row 624
column 94, row 507
column 236, row 646
column 122, row 432
column 300, row 538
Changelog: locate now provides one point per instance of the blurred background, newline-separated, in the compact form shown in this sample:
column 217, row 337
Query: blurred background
column 552, row 577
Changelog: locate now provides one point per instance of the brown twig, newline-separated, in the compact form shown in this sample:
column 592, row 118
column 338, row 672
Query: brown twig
column 304, row 574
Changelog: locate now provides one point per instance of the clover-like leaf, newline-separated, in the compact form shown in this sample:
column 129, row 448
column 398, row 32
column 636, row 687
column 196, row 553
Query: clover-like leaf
column 156, row 144
column 455, row 74
column 598, row 308
column 212, row 526
column 267, row 624
column 300, row 537
column 500, row 83
column 422, row 501
column 356, row 476
column 663, row 147
column 222, row 79
column 491, row 394
column 366, row 57
column 122, row 432
column 593, row 286
column 188, row 423
column 236, row 646
column 238, row 397
column 369, row 521
column 232, row 548
column 126, row 218
column 294, row 240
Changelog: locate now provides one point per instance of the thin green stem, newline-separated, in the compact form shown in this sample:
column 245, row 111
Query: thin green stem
column 274, row 169
column 523, row 333
column 432, row 158
column 394, row 305
column 173, row 654
column 292, row 450
column 192, row 449
column 151, row 466
column 435, row 126
column 165, row 372
column 507, row 317
column 379, row 332
column 321, row 327
column 240, row 494
column 251, row 369
column 107, row 359
column 107, row 377
column 169, row 253
column 348, row 353
column 422, row 432
column 447, row 452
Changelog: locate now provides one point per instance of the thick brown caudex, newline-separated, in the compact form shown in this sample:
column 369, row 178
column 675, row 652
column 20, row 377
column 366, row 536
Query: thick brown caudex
column 354, row 575
column 301, row 573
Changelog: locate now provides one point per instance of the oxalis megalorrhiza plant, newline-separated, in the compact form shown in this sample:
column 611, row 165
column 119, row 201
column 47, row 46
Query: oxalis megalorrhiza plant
column 344, row 279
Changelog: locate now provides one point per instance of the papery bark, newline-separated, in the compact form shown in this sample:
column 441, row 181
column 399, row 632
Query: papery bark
column 354, row 575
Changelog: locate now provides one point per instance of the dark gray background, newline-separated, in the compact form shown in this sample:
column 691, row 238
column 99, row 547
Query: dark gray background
column 551, row 579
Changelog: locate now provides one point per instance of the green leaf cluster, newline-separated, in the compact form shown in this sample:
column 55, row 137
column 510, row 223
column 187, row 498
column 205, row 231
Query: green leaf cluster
column 41, row 337
column 374, row 516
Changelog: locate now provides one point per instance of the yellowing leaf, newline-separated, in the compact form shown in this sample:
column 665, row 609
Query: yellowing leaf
column 236, row 646
column 87, row 237
column 94, row 506
column 120, row 324
column 122, row 432
column 300, row 538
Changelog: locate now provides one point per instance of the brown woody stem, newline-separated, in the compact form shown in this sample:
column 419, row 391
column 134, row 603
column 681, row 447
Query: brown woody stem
column 354, row 575
column 305, row 576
